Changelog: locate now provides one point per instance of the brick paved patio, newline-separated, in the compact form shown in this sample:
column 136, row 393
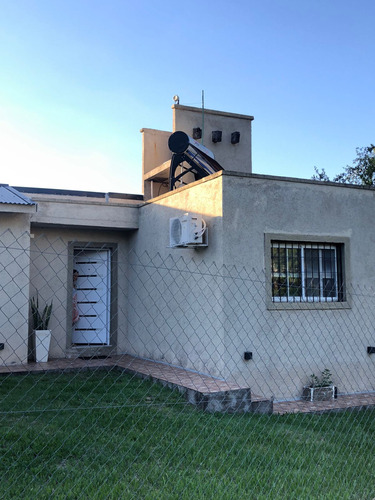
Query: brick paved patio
column 207, row 392
column 342, row 403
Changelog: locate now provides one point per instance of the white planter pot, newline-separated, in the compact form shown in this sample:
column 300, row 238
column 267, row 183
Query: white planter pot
column 42, row 342
column 319, row 393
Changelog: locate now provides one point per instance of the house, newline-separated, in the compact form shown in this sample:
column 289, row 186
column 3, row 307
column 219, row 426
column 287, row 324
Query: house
column 281, row 287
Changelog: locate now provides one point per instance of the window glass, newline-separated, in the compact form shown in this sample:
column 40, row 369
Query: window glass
column 295, row 285
column 294, row 261
column 312, row 287
column 329, row 287
column 279, row 287
column 305, row 272
column 311, row 262
column 328, row 261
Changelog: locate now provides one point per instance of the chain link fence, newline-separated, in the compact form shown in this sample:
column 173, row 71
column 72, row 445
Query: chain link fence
column 171, row 377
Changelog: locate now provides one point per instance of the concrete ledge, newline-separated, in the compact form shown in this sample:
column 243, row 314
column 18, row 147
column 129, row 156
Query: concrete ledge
column 238, row 400
column 230, row 401
column 91, row 215
column 203, row 391
column 262, row 406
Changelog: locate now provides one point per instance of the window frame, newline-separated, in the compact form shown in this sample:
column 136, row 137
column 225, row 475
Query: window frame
column 303, row 300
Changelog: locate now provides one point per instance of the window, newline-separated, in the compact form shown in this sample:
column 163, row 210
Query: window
column 306, row 272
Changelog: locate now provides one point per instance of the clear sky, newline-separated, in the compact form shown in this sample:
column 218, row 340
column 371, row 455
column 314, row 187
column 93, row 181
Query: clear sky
column 80, row 78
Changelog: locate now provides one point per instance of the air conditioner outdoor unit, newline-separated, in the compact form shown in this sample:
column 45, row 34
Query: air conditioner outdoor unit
column 189, row 230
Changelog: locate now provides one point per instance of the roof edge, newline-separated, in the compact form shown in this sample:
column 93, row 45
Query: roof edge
column 86, row 194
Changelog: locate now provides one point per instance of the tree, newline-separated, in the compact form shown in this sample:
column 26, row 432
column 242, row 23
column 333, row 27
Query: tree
column 361, row 172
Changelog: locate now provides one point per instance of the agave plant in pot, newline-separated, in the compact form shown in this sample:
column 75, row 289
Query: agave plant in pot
column 41, row 318
column 320, row 388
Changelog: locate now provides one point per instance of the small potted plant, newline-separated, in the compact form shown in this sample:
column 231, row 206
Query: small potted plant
column 320, row 388
column 41, row 318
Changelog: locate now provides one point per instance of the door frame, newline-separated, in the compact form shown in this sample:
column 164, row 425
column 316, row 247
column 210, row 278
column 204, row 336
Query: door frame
column 104, row 350
column 102, row 291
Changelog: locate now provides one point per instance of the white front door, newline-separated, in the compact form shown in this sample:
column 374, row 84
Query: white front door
column 93, row 297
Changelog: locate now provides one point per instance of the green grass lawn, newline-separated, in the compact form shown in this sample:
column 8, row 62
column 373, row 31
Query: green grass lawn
column 109, row 435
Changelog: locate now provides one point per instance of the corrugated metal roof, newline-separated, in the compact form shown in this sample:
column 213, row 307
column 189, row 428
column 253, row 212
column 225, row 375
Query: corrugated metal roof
column 11, row 196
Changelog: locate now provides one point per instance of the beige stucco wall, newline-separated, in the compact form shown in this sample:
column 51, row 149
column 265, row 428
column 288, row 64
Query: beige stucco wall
column 204, row 197
column 235, row 157
column 155, row 150
column 41, row 262
column 288, row 344
column 164, row 324
column 84, row 212
column 14, row 283
column 51, row 275
column 191, row 307
column 156, row 155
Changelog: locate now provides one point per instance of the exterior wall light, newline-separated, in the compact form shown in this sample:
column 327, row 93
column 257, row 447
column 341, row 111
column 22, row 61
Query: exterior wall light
column 197, row 133
column 247, row 355
column 370, row 350
column 235, row 137
column 216, row 136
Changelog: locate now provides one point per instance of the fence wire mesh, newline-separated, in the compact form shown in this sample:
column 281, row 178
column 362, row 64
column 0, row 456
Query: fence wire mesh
column 172, row 377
